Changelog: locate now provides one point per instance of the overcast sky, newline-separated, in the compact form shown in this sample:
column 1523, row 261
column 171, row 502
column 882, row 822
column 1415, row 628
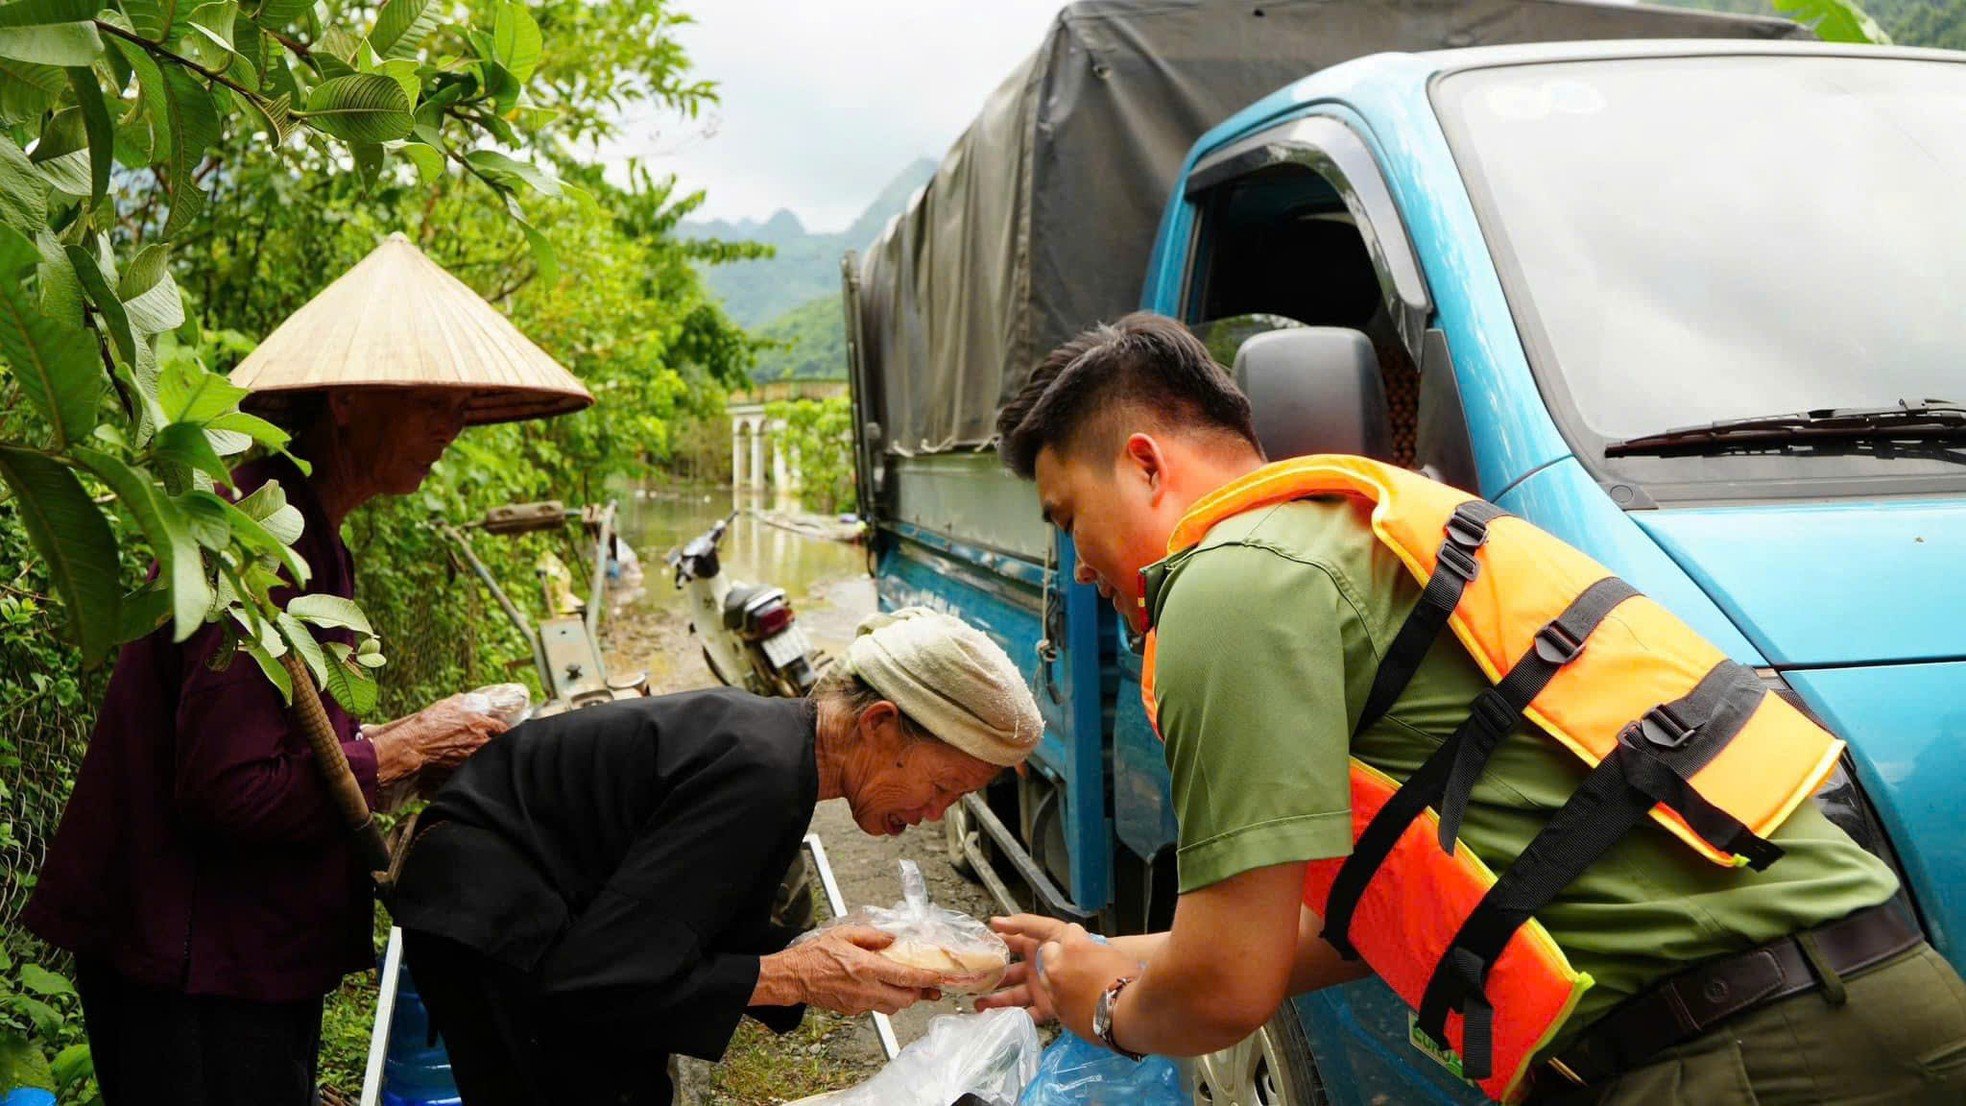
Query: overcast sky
column 824, row 101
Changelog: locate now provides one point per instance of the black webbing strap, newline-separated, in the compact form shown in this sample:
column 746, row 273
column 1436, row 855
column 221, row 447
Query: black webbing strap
column 1650, row 766
column 1460, row 758
column 1455, row 568
column 1556, row 645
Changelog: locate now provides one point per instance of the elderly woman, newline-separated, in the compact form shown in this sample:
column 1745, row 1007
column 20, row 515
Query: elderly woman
column 592, row 892
column 201, row 874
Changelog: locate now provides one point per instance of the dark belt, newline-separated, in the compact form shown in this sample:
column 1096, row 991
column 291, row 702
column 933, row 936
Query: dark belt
column 1689, row 1004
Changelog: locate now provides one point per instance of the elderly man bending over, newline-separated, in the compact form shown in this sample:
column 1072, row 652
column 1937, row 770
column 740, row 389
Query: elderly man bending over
column 592, row 892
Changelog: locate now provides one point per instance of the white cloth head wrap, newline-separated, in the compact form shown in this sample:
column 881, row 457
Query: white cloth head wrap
column 952, row 679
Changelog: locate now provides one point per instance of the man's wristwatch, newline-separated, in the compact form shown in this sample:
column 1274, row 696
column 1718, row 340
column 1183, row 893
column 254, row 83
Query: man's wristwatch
column 1102, row 1017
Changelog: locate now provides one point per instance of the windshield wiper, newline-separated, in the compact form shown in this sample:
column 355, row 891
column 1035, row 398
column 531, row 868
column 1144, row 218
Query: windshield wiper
column 1932, row 420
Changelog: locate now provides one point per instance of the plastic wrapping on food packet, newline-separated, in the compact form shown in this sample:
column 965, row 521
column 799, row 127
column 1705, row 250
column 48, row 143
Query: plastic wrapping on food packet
column 509, row 703
column 970, row 958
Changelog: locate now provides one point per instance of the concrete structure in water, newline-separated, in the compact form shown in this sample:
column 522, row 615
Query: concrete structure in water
column 751, row 427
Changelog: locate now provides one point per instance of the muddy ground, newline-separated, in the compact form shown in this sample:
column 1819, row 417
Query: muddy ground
column 828, row 1052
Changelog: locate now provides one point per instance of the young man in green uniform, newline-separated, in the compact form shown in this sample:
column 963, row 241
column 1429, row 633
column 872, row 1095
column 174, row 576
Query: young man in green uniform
column 1270, row 631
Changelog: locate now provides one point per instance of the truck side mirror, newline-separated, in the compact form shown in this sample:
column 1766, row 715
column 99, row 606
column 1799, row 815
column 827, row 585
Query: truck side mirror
column 1315, row 389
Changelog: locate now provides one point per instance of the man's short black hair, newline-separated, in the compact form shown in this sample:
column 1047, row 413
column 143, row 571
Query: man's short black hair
column 1141, row 365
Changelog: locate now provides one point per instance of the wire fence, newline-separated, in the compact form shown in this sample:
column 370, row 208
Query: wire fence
column 39, row 756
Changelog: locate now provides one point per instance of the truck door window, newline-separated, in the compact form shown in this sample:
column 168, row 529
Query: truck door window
column 1278, row 248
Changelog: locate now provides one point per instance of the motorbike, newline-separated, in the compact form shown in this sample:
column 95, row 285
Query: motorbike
column 566, row 642
column 748, row 632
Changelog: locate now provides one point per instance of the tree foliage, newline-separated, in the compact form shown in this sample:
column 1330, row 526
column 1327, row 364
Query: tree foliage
column 807, row 343
column 818, row 435
column 174, row 179
column 1934, row 23
column 153, row 96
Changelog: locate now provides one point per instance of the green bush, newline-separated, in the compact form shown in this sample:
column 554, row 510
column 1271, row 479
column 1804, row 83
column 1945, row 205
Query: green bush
column 258, row 151
column 819, row 434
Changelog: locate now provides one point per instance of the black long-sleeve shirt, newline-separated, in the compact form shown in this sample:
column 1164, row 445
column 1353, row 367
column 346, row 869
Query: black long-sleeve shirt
column 626, row 857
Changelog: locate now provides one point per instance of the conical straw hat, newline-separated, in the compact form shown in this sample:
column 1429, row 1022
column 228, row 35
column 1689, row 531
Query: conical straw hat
column 398, row 320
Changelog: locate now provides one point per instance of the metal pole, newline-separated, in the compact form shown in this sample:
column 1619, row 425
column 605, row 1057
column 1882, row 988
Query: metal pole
column 597, row 592
column 385, row 1016
column 1053, row 900
column 883, row 1026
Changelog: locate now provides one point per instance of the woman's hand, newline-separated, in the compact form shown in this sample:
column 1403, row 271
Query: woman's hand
column 1024, row 933
column 437, row 738
column 842, row 970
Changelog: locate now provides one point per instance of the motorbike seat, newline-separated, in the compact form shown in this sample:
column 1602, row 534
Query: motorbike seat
column 739, row 598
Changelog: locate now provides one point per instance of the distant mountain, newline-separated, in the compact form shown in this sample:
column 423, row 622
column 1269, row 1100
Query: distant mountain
column 807, row 266
column 781, row 229
column 891, row 202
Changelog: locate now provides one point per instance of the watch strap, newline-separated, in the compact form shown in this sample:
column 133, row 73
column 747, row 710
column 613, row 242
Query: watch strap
column 1110, row 1000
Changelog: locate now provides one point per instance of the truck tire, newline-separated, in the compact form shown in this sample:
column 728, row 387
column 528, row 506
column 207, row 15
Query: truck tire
column 956, row 825
column 1272, row 1067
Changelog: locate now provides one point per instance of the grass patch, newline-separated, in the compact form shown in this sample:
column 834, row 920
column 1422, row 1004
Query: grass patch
column 762, row 1069
column 346, row 1023
column 347, row 1019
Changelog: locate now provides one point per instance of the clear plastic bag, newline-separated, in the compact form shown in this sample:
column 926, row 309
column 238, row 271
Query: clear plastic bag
column 1076, row 1072
column 509, row 703
column 969, row 957
column 988, row 1057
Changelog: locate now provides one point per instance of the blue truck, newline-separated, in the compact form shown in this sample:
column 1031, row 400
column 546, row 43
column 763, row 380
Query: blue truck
column 1684, row 291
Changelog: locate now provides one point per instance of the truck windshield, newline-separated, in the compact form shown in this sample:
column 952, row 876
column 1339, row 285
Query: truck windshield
column 1694, row 239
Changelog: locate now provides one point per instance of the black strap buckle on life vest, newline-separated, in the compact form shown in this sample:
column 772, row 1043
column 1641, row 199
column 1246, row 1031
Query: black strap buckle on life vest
column 1650, row 766
column 1556, row 645
column 1660, row 728
column 1455, row 568
column 1446, row 780
column 1494, row 715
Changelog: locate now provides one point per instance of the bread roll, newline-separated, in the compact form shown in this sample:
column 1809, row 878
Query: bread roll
column 970, row 971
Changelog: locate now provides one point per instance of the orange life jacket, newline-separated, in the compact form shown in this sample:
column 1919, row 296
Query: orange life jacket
column 1671, row 729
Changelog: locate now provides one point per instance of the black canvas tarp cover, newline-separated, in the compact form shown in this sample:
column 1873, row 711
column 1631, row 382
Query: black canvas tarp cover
column 1040, row 218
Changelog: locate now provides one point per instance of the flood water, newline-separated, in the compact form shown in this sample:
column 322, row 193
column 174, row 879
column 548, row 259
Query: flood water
column 656, row 518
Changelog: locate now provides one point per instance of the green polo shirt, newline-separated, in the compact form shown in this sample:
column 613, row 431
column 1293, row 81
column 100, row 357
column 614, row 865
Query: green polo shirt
column 1270, row 632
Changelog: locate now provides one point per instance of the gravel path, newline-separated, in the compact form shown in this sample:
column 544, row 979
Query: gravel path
column 829, row 1052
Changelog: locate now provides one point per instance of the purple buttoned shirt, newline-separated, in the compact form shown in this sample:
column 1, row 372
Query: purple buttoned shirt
column 201, row 851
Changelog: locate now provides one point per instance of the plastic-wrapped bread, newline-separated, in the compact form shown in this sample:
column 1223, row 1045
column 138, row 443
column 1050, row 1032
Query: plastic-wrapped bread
column 970, row 958
column 971, row 968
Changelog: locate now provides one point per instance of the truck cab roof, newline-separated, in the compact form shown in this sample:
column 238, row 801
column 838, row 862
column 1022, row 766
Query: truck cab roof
column 1413, row 72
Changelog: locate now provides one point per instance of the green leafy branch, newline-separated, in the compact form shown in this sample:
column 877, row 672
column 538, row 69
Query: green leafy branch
column 107, row 427
column 1835, row 20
